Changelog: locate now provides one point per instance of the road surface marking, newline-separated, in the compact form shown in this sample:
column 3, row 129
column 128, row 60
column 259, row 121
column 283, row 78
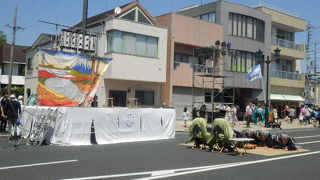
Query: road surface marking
column 228, row 166
column 37, row 164
column 311, row 142
column 301, row 137
column 295, row 130
column 152, row 173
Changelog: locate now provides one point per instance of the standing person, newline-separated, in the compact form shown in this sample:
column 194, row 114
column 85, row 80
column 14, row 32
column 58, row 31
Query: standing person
column 248, row 114
column 4, row 112
column 94, row 103
column 234, row 114
column 194, row 112
column 303, row 113
column 292, row 114
column 257, row 114
column 308, row 114
column 20, row 99
column 228, row 114
column 185, row 116
column 14, row 110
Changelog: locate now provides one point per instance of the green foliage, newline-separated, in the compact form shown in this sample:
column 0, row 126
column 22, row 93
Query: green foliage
column 3, row 38
column 14, row 90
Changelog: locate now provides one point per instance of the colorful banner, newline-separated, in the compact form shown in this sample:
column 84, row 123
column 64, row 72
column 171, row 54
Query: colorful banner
column 67, row 79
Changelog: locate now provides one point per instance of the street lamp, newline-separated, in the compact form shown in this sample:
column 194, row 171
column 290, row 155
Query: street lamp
column 259, row 54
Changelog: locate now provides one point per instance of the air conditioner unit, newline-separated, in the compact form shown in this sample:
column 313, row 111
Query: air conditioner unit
column 209, row 69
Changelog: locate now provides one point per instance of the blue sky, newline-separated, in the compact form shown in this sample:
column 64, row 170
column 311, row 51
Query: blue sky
column 69, row 12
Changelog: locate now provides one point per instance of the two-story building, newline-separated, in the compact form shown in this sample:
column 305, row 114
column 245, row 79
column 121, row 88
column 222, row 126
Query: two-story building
column 18, row 66
column 137, row 48
column 287, row 82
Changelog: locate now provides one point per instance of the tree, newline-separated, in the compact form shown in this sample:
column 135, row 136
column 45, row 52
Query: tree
column 3, row 38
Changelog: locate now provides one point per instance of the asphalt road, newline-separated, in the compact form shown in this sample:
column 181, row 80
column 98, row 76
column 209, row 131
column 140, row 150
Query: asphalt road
column 164, row 159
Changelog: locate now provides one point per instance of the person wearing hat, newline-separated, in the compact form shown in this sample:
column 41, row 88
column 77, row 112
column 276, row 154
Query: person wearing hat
column 14, row 110
column 20, row 99
column 4, row 110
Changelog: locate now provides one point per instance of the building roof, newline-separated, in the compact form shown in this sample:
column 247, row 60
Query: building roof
column 124, row 8
column 18, row 55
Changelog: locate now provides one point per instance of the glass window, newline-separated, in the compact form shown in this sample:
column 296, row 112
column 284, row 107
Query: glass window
column 244, row 26
column 249, row 61
column 230, row 24
column 141, row 45
column 177, row 57
column 234, row 20
column 130, row 16
column 129, row 43
column 249, row 27
column 142, row 18
column 254, row 32
column 152, row 46
column 115, row 42
column 29, row 64
column 204, row 17
column 239, row 25
column 212, row 17
column 243, row 61
column 145, row 97
column 21, row 69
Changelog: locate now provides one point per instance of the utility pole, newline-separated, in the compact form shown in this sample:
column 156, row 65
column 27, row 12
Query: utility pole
column 14, row 30
column 315, row 60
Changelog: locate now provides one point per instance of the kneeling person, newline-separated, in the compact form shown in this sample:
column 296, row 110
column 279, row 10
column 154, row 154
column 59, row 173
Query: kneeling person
column 221, row 132
column 198, row 130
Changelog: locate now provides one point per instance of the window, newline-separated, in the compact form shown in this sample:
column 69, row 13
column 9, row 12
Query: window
column 210, row 17
column 129, row 43
column 136, row 15
column 234, row 31
column 145, row 97
column 21, row 69
column 245, row 26
column 141, row 45
column 243, row 61
column 185, row 58
column 142, row 18
column 29, row 63
column 152, row 46
column 130, row 16
column 249, row 27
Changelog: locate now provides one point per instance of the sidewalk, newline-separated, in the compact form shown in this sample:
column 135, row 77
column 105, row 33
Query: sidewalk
column 241, row 125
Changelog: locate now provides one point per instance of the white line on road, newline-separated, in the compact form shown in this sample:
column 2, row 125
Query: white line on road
column 37, row 164
column 228, row 166
column 296, row 130
column 311, row 142
column 301, row 137
column 152, row 173
column 185, row 171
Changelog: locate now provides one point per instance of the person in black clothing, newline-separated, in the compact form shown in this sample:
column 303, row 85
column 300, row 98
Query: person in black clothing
column 94, row 103
column 4, row 112
column 14, row 110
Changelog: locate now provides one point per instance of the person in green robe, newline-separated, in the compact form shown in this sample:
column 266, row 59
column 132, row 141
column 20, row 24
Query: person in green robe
column 198, row 130
column 221, row 132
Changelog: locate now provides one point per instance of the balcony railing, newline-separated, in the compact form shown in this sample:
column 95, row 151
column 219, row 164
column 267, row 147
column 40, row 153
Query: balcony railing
column 287, row 44
column 286, row 75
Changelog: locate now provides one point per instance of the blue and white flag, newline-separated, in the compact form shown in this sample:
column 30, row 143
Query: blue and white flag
column 254, row 73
